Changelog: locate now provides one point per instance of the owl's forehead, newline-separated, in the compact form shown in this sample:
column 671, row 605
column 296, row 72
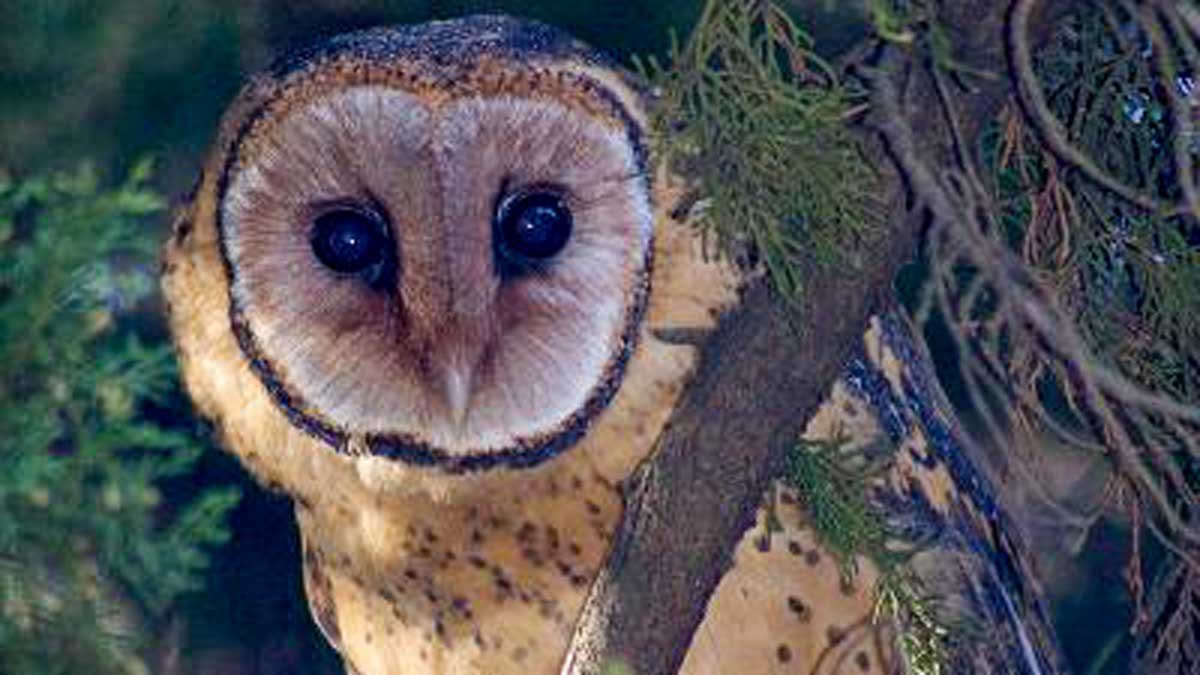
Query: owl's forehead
column 440, row 64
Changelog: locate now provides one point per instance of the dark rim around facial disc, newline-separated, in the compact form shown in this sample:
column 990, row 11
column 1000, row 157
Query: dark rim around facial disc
column 457, row 41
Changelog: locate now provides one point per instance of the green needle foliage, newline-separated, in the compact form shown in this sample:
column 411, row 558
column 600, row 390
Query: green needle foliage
column 756, row 121
column 88, row 546
column 1126, row 273
column 1131, row 277
column 834, row 486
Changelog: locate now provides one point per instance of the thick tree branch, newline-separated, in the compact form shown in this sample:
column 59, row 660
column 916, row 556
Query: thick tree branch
column 762, row 374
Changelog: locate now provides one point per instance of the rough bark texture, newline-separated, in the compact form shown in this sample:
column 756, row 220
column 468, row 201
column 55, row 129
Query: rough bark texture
column 767, row 368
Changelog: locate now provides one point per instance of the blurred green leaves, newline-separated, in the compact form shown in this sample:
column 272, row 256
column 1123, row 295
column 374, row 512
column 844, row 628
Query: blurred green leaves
column 87, row 545
column 115, row 79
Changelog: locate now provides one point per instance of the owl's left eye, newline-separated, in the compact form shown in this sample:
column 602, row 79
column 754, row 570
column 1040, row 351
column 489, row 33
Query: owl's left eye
column 532, row 226
column 350, row 241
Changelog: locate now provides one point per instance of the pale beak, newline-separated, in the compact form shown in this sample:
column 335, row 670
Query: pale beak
column 456, row 387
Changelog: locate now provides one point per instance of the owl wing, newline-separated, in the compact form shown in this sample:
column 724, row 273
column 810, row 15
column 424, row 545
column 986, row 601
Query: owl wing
column 788, row 606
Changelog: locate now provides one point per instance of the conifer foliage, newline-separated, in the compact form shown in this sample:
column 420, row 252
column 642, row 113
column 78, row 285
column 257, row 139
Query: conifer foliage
column 88, row 545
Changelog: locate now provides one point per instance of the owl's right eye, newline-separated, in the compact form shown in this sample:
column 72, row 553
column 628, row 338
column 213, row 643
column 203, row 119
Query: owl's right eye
column 350, row 241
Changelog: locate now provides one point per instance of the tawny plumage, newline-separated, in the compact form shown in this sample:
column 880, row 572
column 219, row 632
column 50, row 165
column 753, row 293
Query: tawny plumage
column 419, row 290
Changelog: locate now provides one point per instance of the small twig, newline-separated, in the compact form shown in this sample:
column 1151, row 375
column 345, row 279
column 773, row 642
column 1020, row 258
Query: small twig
column 1043, row 118
column 1181, row 114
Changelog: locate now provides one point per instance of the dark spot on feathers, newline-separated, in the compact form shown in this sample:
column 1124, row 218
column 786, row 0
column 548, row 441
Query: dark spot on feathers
column 798, row 608
column 783, row 653
column 846, row 586
column 763, row 543
column 460, row 605
column 533, row 557
column 182, row 230
column 503, row 583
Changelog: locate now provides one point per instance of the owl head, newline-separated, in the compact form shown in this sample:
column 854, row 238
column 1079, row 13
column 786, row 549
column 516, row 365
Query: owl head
column 434, row 241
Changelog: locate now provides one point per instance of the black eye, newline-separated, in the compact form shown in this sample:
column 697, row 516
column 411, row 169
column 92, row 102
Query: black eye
column 349, row 241
column 532, row 226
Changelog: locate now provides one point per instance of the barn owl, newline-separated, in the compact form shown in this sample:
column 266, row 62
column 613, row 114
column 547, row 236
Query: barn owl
column 421, row 288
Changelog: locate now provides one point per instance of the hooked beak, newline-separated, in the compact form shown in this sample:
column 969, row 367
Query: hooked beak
column 457, row 379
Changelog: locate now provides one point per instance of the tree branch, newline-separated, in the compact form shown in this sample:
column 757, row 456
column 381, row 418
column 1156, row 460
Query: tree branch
column 762, row 374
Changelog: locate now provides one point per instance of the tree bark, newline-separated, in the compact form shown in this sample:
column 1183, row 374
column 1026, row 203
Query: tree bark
column 767, row 367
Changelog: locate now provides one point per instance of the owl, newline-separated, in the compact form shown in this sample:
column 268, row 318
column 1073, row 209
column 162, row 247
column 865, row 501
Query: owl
column 422, row 288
